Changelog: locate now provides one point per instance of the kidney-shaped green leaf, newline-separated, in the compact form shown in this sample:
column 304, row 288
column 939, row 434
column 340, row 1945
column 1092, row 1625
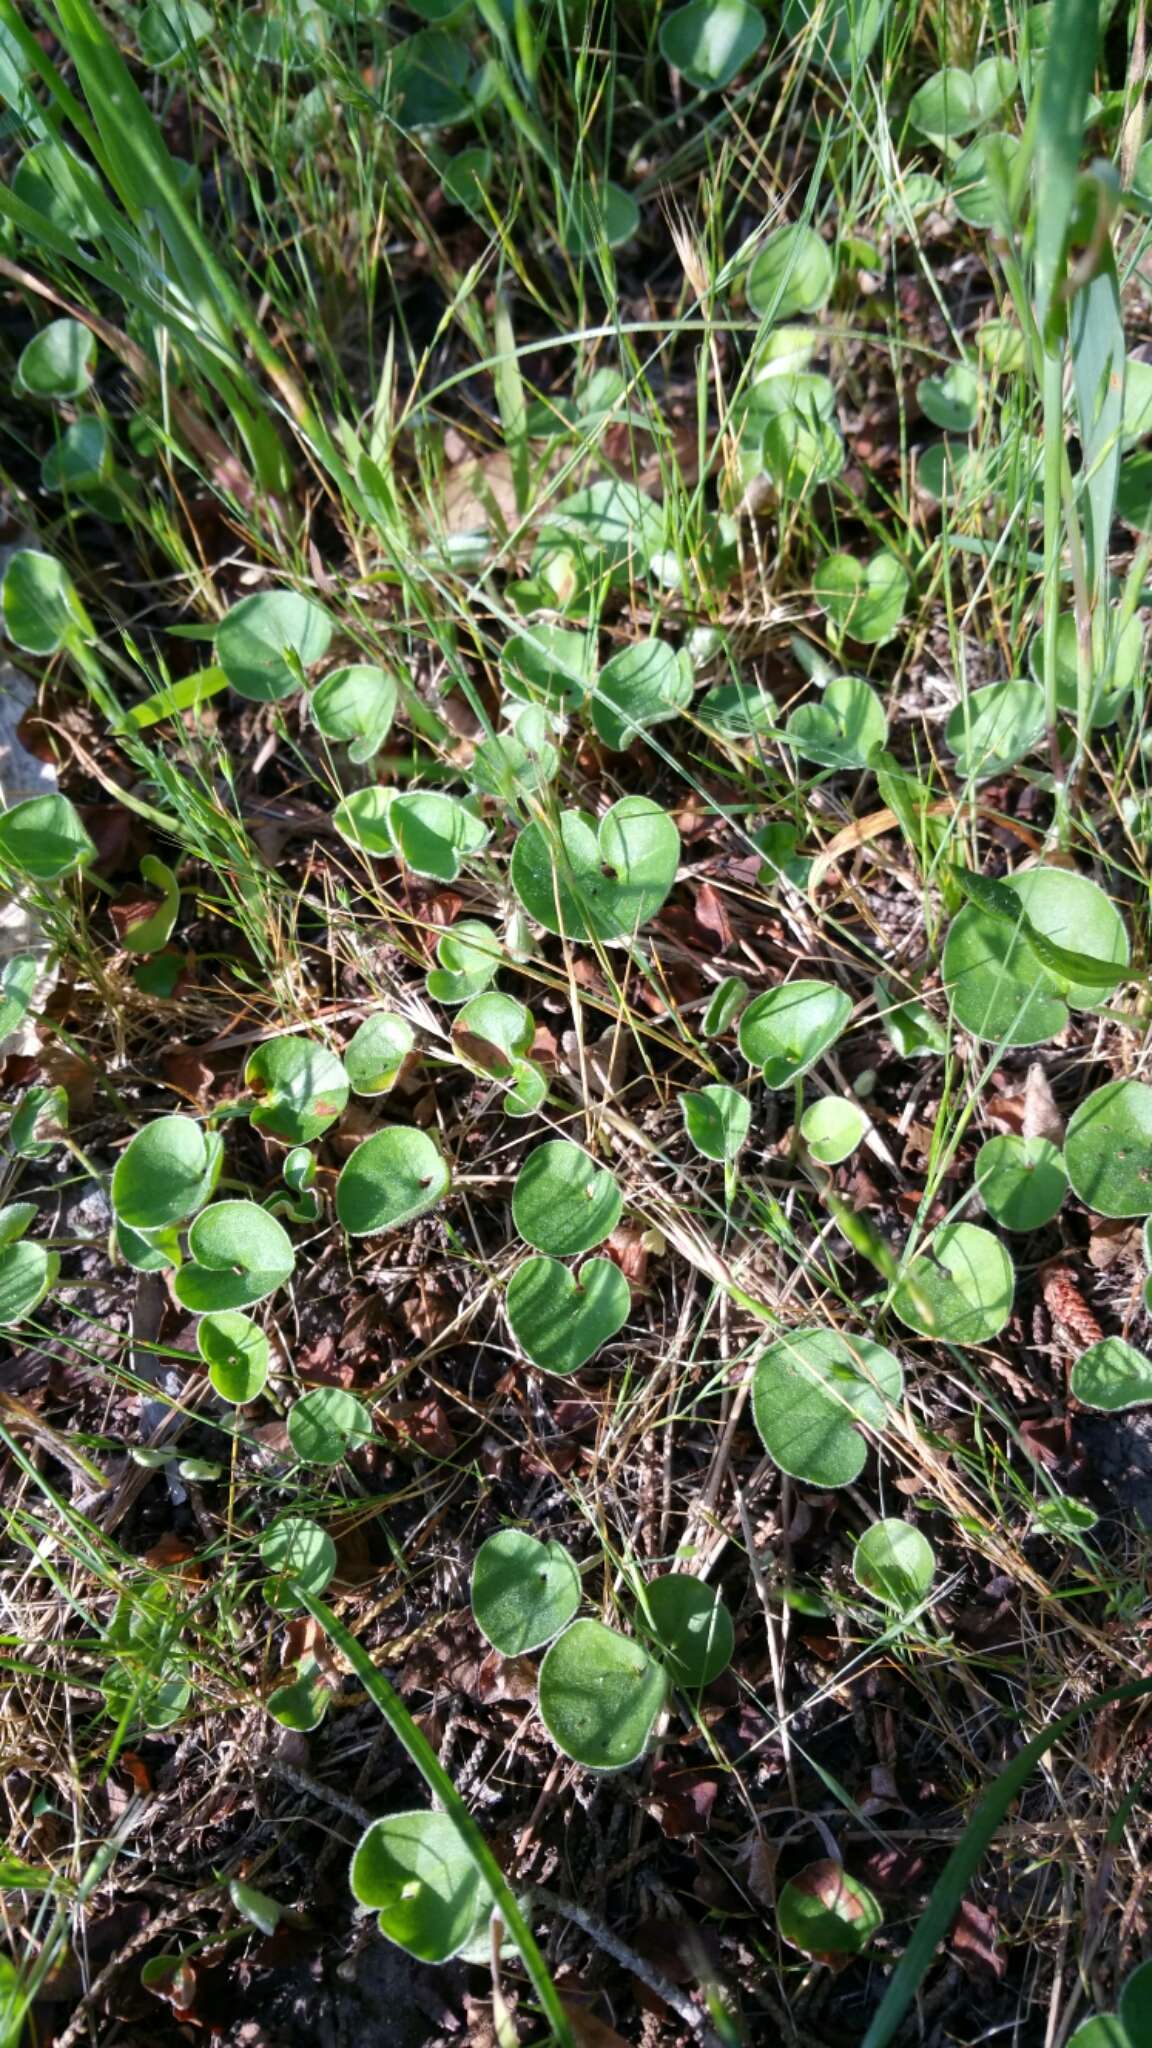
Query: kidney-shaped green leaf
column 1108, row 1149
column 27, row 1273
column 895, row 1562
column 44, row 838
column 237, row 1254
column 376, row 1052
column 236, row 1352
column 58, row 362
column 560, row 1319
column 415, row 1872
column 301, row 1086
column 1112, row 1375
column 709, row 41
column 523, row 1591
column 786, row 1030
column 165, row 1173
column 827, row 1914
column 390, row 1179
column 691, row 1627
column 562, row 1202
column 959, row 1290
column 598, row 883
column 1006, row 981
column 600, row 1694
column 639, row 687
column 326, row 1423
column 267, row 642
column 809, row 1389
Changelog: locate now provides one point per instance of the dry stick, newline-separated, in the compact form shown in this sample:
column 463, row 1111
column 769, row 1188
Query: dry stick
column 765, row 1599
column 677, row 2000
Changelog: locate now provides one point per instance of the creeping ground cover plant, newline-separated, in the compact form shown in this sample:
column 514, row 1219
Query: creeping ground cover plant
column 575, row 1084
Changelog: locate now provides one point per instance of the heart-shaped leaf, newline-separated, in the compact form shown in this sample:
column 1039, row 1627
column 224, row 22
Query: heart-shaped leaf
column 236, row 1352
column 716, row 1118
column 302, row 1702
column 58, row 362
column 466, row 179
column 951, row 400
column 601, row 883
column 862, row 600
column 151, row 930
column 841, row 34
column 267, row 643
column 390, row 1179
column 147, row 1251
column 993, row 728
column 168, row 30
column 600, row 1694
column 14, row 1220
column 827, row 1914
column 493, row 1033
column 415, row 1871
column 691, row 1627
column 376, row 1052
column 237, row 1255
column 326, row 1423
column 81, row 459
column 523, row 1591
column 561, row 1319
column 429, row 80
column 517, row 763
column 786, row 1030
column 42, row 612
column 808, row 1391
column 469, row 954
column 432, row 834
column 1023, row 1180
column 297, row 1552
column 947, row 105
column 841, row 729
column 641, row 686
column 895, row 1562
column 1117, row 659
column 598, row 216
column 550, row 665
column 44, row 838
column 1112, row 1375
column 609, row 527
column 1108, row 1149
column 166, row 1172
column 959, row 1290
column 355, row 706
column 27, row 1272
column 562, row 1202
column 709, row 41
column 301, row 1085
column 793, row 273
column 1001, row 988
column 832, row 1128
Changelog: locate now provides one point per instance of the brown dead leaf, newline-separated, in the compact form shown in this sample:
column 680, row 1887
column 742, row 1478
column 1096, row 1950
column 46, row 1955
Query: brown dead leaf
column 1113, row 1240
column 588, row 2031
column 187, row 1073
column 681, row 1801
column 1041, row 1117
column 712, row 915
column 973, row 1941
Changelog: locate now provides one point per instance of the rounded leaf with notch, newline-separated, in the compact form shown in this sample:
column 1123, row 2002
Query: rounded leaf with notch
column 826, row 1914
column 1108, row 1149
column 141, row 1699
column 832, row 1128
column 430, row 80
column 993, row 728
column 14, row 1220
column 893, row 1561
column 236, row 1352
column 493, row 1034
column 44, row 839
column 165, row 1173
column 597, row 883
column 709, row 41
column 1023, row 1181
column 1001, row 990
column 561, row 1319
column 302, row 1088
column 549, row 665
column 28, row 1271
column 638, row 688
column 302, row 1701
column 296, row 1551
column 392, row 1178
column 862, row 600
column 563, row 1203
column 608, row 527
column 147, row 1251
column 523, row 1591
column 514, row 764
column 170, row 29
column 599, row 1696
column 842, row 729
column 793, row 273
column 81, row 459
column 975, row 179
column 842, row 31
column 808, row 1392
column 951, row 400
column 466, row 180
column 58, row 362
column 414, row 1870
column 960, row 1289
column 430, row 833
column 267, row 643
column 237, row 1255
column 376, row 1052
column 596, row 215
column 58, row 184
column 469, row 954
column 726, row 1003
column 690, row 1626
column 1112, row 1375
column 326, row 1423
column 1117, row 659
column 946, row 105
column 785, row 1031
column 355, row 707
column 716, row 1119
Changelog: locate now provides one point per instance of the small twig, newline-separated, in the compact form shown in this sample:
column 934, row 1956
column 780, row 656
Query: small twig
column 678, row 2001
column 314, row 1788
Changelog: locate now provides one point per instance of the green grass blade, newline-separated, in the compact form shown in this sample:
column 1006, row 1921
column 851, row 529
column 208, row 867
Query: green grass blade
column 1064, row 88
column 1096, row 345
column 440, row 1785
column 961, row 1867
